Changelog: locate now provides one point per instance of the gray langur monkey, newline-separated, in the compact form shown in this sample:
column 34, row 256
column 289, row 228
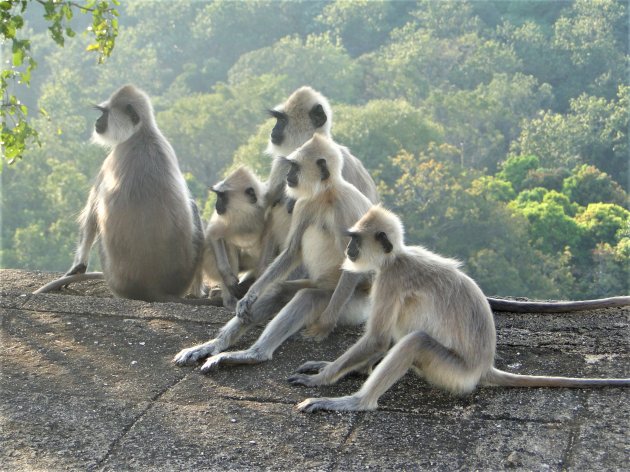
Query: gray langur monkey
column 233, row 235
column 303, row 114
column 140, row 209
column 437, row 318
column 325, row 205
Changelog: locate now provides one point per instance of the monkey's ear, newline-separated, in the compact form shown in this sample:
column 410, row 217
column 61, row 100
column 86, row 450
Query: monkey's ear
column 382, row 238
column 135, row 118
column 323, row 168
column 318, row 116
column 251, row 193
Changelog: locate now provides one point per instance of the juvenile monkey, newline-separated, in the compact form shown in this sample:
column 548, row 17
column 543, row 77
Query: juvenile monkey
column 325, row 205
column 234, row 232
column 437, row 318
column 140, row 209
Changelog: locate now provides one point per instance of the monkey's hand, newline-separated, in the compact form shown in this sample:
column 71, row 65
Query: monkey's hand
column 201, row 351
column 312, row 367
column 319, row 330
column 79, row 268
column 232, row 358
column 306, row 380
column 349, row 403
column 244, row 307
column 302, row 377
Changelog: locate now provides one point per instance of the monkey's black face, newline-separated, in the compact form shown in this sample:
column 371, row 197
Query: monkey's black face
column 292, row 175
column 101, row 123
column 277, row 133
column 222, row 202
column 352, row 251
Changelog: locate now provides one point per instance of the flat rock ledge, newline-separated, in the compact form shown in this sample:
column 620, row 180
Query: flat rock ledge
column 87, row 384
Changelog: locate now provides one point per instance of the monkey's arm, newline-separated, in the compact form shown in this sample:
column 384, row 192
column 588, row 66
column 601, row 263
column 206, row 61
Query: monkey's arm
column 288, row 260
column 344, row 290
column 88, row 231
column 230, row 280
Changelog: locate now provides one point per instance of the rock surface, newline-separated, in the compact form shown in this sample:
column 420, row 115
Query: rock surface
column 87, row 384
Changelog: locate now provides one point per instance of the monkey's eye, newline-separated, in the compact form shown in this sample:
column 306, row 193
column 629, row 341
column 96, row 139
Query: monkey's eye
column 251, row 193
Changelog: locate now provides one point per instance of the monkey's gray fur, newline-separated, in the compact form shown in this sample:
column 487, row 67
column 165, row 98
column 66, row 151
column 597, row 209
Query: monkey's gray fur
column 140, row 209
column 325, row 205
column 437, row 318
column 233, row 235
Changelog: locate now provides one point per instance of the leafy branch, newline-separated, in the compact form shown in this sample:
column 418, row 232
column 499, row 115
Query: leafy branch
column 16, row 131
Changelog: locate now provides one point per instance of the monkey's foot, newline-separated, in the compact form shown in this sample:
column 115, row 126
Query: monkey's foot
column 193, row 354
column 349, row 403
column 232, row 358
column 312, row 367
column 318, row 332
column 306, row 380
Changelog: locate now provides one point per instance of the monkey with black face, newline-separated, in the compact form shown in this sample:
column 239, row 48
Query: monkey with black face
column 437, row 318
column 303, row 114
column 325, row 206
column 140, row 209
column 233, row 234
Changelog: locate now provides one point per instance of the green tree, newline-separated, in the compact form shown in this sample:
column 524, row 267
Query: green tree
column 604, row 223
column 588, row 184
column 594, row 131
column 316, row 60
column 515, row 169
column 16, row 131
column 363, row 25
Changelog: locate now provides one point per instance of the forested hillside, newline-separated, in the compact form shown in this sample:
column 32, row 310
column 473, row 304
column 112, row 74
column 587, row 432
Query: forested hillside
column 498, row 130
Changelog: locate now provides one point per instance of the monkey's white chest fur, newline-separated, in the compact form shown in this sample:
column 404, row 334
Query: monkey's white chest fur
column 321, row 256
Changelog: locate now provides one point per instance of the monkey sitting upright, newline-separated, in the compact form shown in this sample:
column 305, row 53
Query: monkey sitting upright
column 140, row 209
column 233, row 235
column 437, row 318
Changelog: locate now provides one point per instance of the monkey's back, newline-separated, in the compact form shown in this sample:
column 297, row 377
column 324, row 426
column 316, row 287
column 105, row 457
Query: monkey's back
column 145, row 220
column 445, row 303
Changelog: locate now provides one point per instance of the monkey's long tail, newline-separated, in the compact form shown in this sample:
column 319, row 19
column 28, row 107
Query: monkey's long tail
column 516, row 306
column 68, row 279
column 501, row 378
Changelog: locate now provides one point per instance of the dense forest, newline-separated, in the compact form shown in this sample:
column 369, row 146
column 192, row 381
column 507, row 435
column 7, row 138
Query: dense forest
column 498, row 130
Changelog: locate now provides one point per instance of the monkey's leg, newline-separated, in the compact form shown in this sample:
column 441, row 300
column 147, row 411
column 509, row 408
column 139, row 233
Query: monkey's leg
column 364, row 353
column 306, row 306
column 265, row 307
column 417, row 348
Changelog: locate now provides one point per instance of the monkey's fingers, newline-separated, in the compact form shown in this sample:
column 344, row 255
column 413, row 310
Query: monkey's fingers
column 311, row 405
column 311, row 367
column 349, row 403
column 191, row 355
column 304, row 380
column 230, row 358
